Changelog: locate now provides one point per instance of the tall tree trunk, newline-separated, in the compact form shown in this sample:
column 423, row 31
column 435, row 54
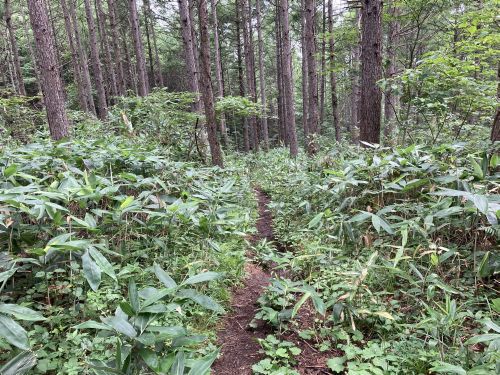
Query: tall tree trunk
column 102, row 107
column 115, row 41
column 218, row 68
column 158, row 73
column 323, row 70
column 355, row 82
column 391, row 98
column 280, row 102
column 143, row 87
column 371, row 71
column 206, row 85
column 149, row 45
column 312, row 78
column 9, row 62
column 82, row 57
column 31, row 50
column 106, row 43
column 250, row 70
column 305, row 95
column 21, row 90
column 333, row 76
column 189, row 52
column 288, row 79
column 52, row 88
column 262, row 78
column 241, row 80
column 75, row 62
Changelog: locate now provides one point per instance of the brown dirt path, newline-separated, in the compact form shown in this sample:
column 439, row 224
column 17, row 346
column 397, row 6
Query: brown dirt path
column 239, row 346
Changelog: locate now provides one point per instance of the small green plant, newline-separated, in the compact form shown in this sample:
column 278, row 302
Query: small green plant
column 280, row 357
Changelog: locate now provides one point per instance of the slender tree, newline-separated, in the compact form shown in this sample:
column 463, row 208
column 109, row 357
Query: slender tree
column 262, row 78
column 312, row 78
column 106, row 48
column 82, row 57
column 151, row 17
column 206, row 85
column 322, row 75
column 241, row 78
column 391, row 99
column 288, row 78
column 495, row 129
column 75, row 62
column 143, row 87
column 115, row 39
column 52, row 88
column 333, row 76
column 19, row 81
column 218, row 67
column 371, row 70
column 305, row 94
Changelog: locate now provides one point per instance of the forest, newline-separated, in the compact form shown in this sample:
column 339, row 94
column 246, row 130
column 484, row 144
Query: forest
column 238, row 187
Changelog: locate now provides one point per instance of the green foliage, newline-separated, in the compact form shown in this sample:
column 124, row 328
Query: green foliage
column 280, row 357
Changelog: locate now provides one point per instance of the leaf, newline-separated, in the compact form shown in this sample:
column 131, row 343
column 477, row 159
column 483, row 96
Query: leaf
column 483, row 338
column 478, row 171
column 336, row 364
column 20, row 312
column 202, row 366
column 378, row 222
column 13, row 333
column 126, row 203
column 204, row 301
column 10, row 170
column 481, row 203
column 178, row 365
column 315, row 220
column 133, row 296
column 7, row 274
column 150, row 358
column 92, row 324
column 20, row 364
column 384, row 314
column 164, row 277
column 120, row 325
column 448, row 368
column 299, row 304
column 202, row 277
column 91, row 271
column 102, row 262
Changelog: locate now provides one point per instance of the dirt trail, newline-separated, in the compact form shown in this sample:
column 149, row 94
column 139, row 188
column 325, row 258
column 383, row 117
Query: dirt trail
column 239, row 346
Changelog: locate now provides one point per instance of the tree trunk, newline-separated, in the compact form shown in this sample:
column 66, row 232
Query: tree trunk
column 280, row 100
column 218, row 68
column 495, row 129
column 143, row 87
column 102, row 107
column 288, row 79
column 75, row 62
column 82, row 57
column 206, row 85
column 250, row 71
column 391, row 98
column 31, row 50
column 355, row 83
column 105, row 43
column 52, row 88
column 312, row 78
column 158, row 76
column 21, row 90
column 115, row 41
column 333, row 76
column 305, row 95
column 262, row 78
column 241, row 80
column 189, row 52
column 322, row 76
column 371, row 71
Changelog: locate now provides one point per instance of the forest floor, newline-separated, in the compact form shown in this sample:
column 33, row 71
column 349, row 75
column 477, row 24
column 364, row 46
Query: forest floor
column 239, row 344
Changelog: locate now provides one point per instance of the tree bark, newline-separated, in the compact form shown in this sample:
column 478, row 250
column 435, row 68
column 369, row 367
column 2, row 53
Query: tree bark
column 142, row 82
column 218, row 68
column 391, row 98
column 75, row 62
column 158, row 76
column 262, row 78
column 333, row 76
column 288, row 79
column 115, row 41
column 495, row 129
column 250, row 70
column 355, row 82
column 280, row 102
column 21, row 90
column 206, row 85
column 82, row 57
column 305, row 95
column 312, row 78
column 52, row 88
column 106, row 43
column 31, row 50
column 371, row 71
column 322, row 76
column 241, row 80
